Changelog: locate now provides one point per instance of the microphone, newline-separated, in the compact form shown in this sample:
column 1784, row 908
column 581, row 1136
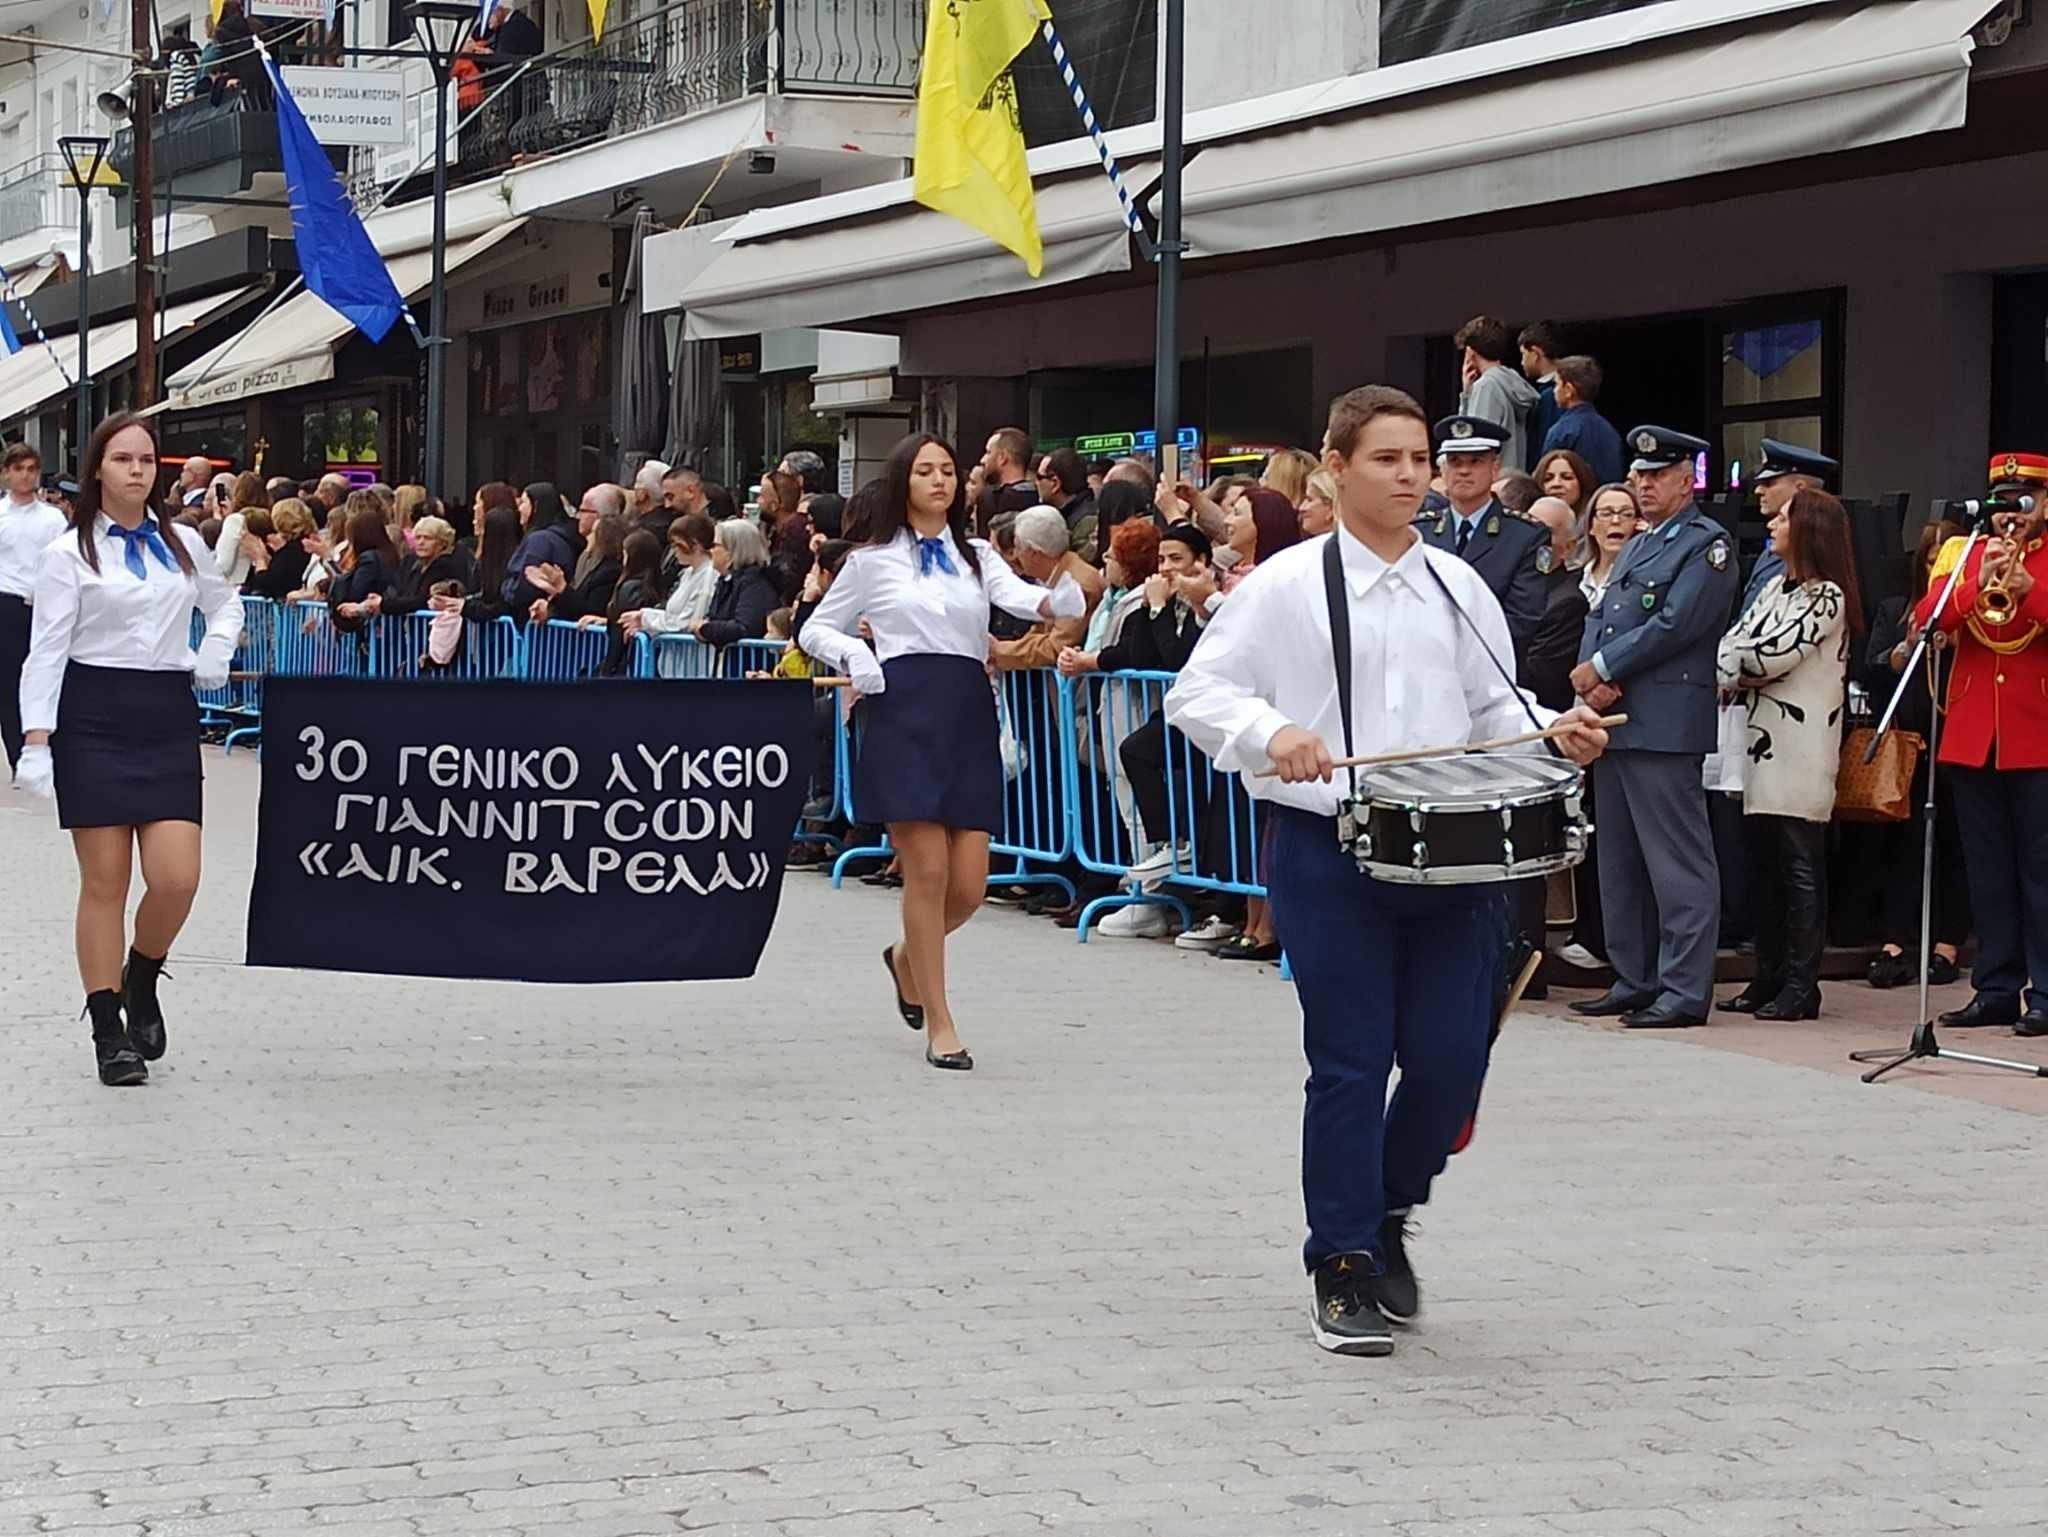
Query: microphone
column 1978, row 508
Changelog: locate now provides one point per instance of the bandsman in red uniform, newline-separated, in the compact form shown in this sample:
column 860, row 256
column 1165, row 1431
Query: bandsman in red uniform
column 1994, row 745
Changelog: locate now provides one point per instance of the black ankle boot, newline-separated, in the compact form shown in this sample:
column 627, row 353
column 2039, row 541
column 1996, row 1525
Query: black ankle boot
column 119, row 1064
column 138, row 1000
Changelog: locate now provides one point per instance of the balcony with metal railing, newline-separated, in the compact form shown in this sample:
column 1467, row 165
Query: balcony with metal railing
column 685, row 58
column 35, row 196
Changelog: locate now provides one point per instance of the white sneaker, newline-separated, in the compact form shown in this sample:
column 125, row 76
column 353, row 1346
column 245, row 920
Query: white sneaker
column 1138, row 922
column 1207, row 934
column 1579, row 956
column 1160, row 862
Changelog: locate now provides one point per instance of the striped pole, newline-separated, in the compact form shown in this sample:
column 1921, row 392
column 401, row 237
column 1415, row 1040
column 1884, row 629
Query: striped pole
column 1102, row 149
column 7, row 285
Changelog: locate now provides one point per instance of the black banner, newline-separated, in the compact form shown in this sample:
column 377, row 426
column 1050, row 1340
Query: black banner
column 1420, row 29
column 603, row 831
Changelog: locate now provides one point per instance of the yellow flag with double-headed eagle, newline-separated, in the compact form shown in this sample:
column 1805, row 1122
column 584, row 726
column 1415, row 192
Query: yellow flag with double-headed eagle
column 970, row 145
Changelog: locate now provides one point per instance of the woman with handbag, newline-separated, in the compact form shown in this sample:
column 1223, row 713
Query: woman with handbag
column 1904, row 841
column 1788, row 656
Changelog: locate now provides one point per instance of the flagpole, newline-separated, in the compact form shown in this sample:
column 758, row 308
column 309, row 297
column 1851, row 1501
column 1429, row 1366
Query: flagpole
column 1166, row 360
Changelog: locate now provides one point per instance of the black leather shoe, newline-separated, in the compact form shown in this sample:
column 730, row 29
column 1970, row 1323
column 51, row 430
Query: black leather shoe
column 1890, row 970
column 2033, row 1022
column 1981, row 1011
column 138, row 1002
column 1792, row 1003
column 1941, row 971
column 913, row 1013
column 1612, row 1002
column 1661, row 1017
column 1751, row 998
column 953, row 1061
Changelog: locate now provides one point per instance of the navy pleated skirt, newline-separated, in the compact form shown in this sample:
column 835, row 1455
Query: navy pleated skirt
column 126, row 748
column 929, row 746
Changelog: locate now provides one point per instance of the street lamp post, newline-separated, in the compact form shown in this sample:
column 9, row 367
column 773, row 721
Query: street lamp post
column 442, row 27
column 84, row 154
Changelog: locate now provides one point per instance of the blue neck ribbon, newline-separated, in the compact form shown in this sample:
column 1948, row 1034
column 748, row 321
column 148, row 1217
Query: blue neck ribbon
column 933, row 552
column 143, row 535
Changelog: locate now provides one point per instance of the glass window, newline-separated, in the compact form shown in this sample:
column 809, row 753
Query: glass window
column 1772, row 363
column 1742, row 443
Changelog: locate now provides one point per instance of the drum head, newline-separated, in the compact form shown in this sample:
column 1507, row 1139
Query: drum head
column 1473, row 782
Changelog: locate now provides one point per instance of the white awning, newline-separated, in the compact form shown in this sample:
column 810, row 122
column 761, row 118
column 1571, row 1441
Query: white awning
column 1655, row 94
column 25, row 282
column 1813, row 82
column 294, row 344
column 904, row 259
column 32, row 376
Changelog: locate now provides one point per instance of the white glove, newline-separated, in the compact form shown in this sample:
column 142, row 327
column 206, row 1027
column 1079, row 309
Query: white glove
column 1068, row 601
column 866, row 673
column 35, row 773
column 209, row 675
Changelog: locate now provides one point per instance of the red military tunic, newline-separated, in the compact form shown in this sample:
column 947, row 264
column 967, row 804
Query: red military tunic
column 1995, row 696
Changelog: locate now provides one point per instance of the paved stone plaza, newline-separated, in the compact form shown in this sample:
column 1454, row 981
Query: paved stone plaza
column 389, row 1256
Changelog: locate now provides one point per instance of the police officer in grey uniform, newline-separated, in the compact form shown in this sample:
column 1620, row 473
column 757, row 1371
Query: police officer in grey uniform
column 1510, row 552
column 1649, row 651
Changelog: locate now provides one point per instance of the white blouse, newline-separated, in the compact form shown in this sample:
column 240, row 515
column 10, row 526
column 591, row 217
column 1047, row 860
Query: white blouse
column 26, row 529
column 112, row 618
column 227, row 550
column 690, row 602
column 912, row 612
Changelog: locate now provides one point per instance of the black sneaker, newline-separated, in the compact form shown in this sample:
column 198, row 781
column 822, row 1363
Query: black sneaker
column 1009, row 896
column 1395, row 1292
column 1344, row 1318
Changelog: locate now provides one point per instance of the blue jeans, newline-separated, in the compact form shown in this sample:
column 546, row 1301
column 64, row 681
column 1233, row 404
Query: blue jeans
column 1387, row 974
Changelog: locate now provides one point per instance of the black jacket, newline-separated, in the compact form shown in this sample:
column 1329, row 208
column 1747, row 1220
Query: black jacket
column 374, row 572
column 1553, row 648
column 285, row 574
column 557, row 545
column 416, row 581
column 1160, row 642
column 592, row 595
column 740, row 606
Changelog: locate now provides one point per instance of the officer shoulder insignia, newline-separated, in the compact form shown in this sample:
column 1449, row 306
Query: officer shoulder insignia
column 1717, row 554
column 1493, row 525
column 1546, row 561
column 1443, row 522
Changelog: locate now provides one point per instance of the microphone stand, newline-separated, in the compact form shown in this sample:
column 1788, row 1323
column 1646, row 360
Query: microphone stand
column 1924, row 1044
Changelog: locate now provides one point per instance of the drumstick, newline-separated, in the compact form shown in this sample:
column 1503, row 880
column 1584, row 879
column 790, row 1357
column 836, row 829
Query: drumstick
column 1424, row 754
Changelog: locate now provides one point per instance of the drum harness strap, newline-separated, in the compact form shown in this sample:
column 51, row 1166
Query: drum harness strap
column 1340, row 647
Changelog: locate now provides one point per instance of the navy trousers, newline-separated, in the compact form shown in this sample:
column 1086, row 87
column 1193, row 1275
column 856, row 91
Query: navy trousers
column 1387, row 974
column 2003, row 815
column 15, row 624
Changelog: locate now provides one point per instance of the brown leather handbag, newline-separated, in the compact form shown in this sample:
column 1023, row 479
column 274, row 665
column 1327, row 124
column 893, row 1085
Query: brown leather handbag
column 1882, row 789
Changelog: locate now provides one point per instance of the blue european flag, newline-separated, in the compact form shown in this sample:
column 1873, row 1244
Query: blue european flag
column 335, row 252
column 7, row 337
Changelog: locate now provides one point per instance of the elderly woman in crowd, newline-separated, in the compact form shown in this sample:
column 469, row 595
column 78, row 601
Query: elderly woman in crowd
column 1788, row 657
column 1611, row 520
column 435, row 557
column 746, row 593
column 1884, row 659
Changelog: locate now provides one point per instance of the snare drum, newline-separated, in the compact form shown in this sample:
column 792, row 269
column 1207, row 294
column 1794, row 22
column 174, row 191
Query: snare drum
column 1466, row 820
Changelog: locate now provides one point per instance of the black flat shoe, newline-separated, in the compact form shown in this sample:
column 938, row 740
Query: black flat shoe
column 1246, row 948
column 913, row 1013
column 1611, row 1003
column 1889, row 971
column 960, row 1061
column 1659, row 1017
column 1751, row 998
column 1941, row 971
column 2032, row 1023
column 1791, row 1005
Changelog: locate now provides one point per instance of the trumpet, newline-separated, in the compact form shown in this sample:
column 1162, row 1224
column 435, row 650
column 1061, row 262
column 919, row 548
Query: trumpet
column 1995, row 603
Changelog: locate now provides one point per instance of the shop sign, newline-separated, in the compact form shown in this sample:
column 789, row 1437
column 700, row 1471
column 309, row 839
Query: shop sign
column 525, row 301
column 295, row 10
column 264, row 379
column 739, row 355
column 350, row 106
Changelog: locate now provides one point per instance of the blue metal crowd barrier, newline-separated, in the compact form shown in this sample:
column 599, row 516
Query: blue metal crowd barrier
column 1034, row 711
column 1108, row 709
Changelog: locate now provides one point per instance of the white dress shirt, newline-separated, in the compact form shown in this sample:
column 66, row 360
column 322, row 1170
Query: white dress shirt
column 228, row 558
column 26, row 530
column 911, row 612
column 110, row 618
column 690, row 602
column 1419, row 678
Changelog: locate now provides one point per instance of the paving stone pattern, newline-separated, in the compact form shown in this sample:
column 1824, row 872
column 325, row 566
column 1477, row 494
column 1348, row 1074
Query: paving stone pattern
column 382, row 1256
